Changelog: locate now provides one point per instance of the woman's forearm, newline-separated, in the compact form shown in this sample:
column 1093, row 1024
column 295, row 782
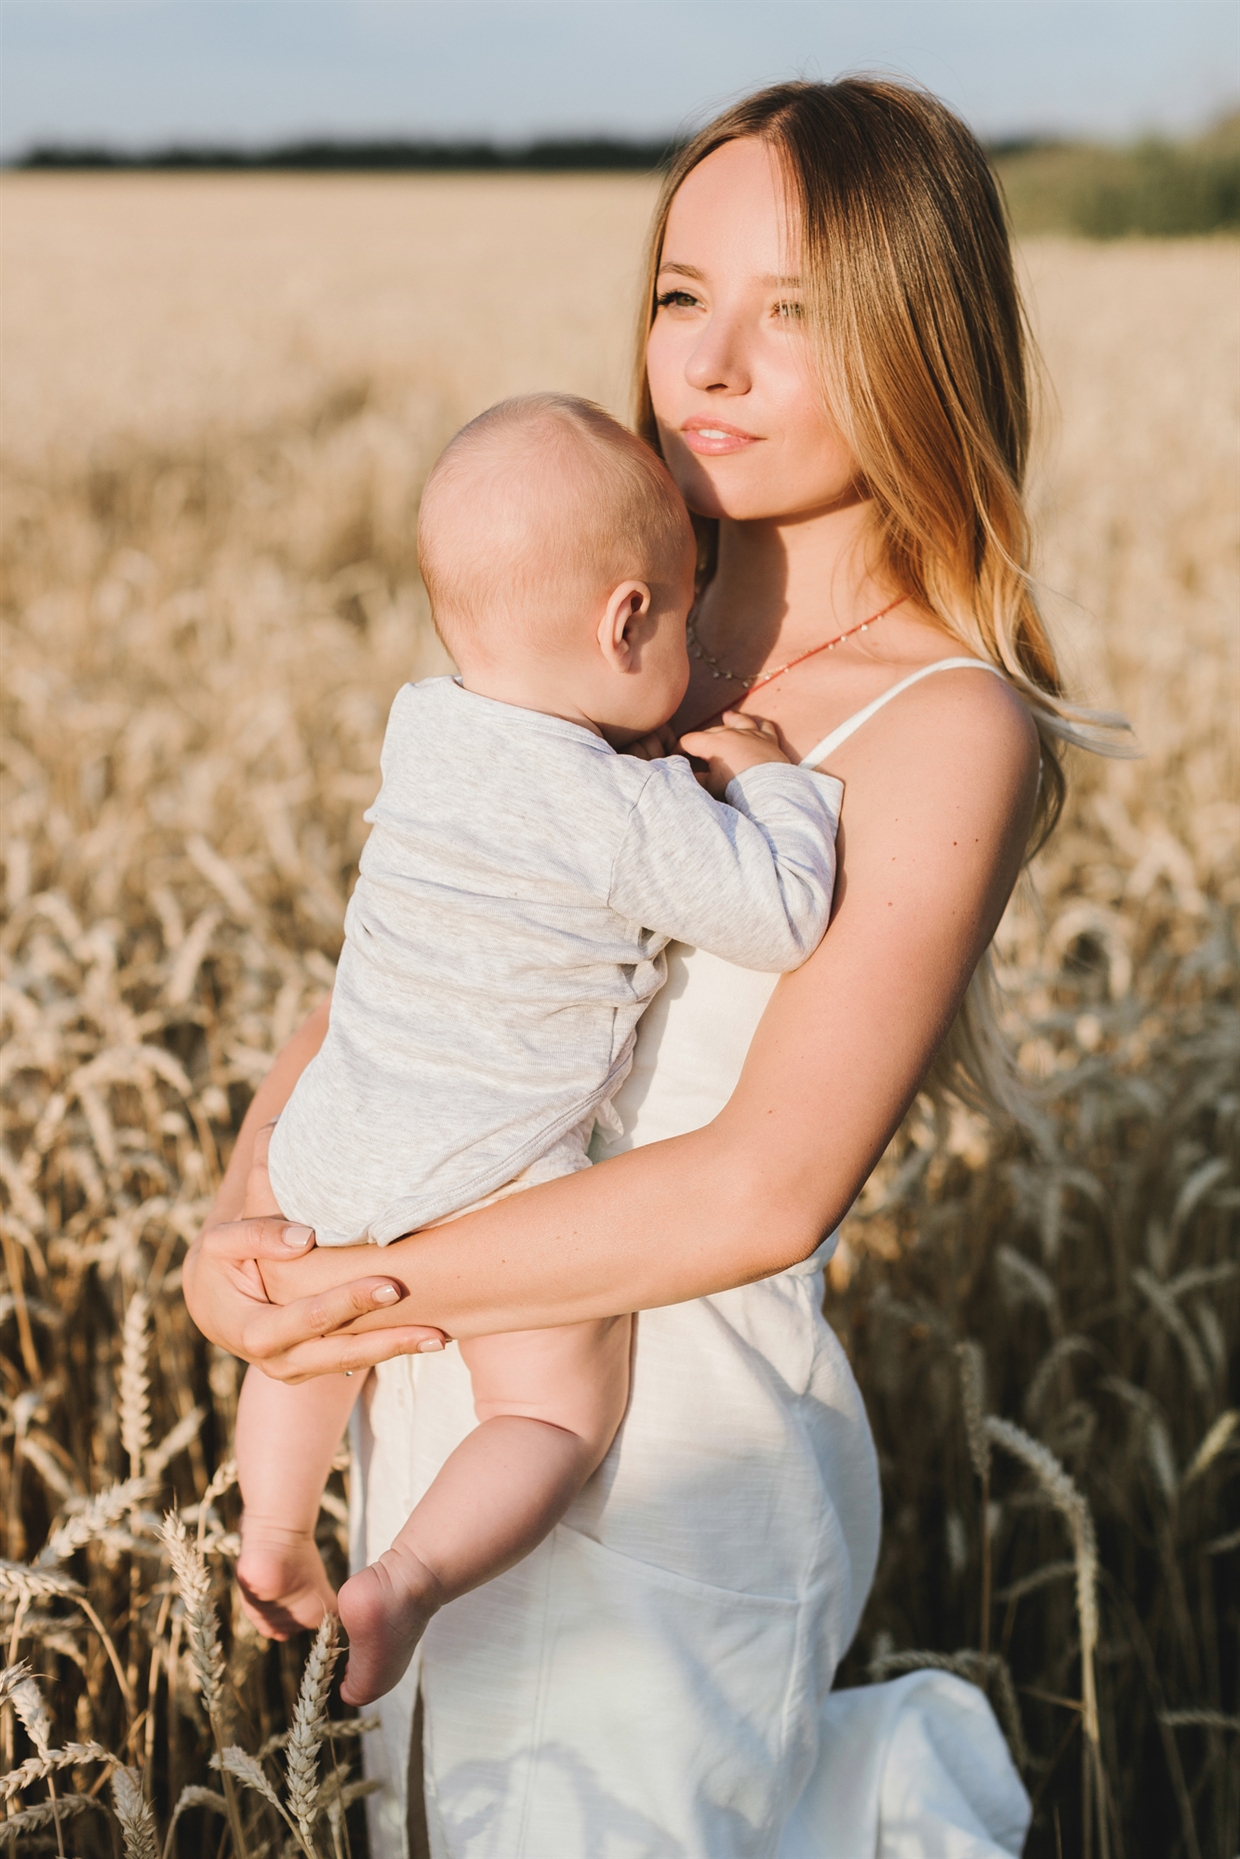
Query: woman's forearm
column 748, row 1195
column 559, row 1255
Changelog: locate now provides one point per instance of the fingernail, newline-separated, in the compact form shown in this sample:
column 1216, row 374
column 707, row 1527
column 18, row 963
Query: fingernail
column 385, row 1294
column 430, row 1346
column 298, row 1236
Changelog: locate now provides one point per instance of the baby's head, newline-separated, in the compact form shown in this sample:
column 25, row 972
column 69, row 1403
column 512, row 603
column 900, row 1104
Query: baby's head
column 559, row 560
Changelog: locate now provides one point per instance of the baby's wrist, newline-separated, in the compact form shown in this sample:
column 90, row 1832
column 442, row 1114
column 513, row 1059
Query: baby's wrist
column 751, row 768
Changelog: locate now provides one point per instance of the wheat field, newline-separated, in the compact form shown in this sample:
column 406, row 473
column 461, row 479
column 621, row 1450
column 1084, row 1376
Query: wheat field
column 219, row 400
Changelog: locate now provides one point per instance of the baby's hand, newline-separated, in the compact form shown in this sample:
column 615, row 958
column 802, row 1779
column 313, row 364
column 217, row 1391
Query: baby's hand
column 741, row 741
column 650, row 748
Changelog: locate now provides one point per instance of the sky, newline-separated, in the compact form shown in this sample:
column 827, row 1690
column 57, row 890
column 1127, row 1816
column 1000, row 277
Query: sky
column 140, row 73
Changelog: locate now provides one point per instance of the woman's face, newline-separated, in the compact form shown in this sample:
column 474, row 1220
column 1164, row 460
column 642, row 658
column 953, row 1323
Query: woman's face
column 730, row 375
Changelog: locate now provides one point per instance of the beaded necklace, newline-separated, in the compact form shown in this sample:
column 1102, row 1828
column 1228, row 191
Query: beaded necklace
column 760, row 678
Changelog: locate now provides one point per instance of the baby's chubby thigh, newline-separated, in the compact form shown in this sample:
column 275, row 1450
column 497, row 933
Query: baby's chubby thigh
column 575, row 1377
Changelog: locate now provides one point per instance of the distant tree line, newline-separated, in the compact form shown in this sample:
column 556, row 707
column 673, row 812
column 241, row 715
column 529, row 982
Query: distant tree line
column 1154, row 188
column 582, row 154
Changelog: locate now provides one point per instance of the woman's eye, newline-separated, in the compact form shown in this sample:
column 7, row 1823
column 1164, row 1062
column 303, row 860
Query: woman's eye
column 675, row 299
column 790, row 312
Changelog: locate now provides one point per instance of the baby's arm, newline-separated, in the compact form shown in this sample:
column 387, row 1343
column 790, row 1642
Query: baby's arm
column 751, row 880
column 549, row 1403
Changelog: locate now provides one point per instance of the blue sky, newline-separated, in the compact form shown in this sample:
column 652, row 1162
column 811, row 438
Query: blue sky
column 140, row 72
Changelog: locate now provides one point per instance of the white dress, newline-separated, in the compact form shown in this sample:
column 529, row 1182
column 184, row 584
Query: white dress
column 654, row 1681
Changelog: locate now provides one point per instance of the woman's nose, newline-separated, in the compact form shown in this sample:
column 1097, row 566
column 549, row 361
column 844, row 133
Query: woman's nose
column 719, row 361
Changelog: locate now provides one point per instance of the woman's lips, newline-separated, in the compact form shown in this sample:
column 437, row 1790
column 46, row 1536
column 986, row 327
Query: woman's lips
column 712, row 438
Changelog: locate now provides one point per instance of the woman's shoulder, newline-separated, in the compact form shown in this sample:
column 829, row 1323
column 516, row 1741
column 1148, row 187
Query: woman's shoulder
column 954, row 730
column 954, row 677
column 975, row 705
column 939, row 696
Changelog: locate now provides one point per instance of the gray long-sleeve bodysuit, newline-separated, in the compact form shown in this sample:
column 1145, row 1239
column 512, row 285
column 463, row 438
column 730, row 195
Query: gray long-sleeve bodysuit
column 505, row 936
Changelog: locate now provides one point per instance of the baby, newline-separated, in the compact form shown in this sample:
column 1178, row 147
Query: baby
column 516, row 894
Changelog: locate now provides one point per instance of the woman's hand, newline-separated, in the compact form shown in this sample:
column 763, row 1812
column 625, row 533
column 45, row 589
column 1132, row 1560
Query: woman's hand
column 224, row 1293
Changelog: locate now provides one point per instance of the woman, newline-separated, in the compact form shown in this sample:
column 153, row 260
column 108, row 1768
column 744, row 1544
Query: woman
column 834, row 367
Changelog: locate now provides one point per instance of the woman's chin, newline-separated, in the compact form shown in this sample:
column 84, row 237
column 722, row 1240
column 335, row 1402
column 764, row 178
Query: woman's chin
column 730, row 495
column 736, row 510
column 706, row 497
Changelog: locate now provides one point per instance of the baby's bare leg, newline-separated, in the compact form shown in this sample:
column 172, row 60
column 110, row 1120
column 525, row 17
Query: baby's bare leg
column 286, row 1437
column 549, row 1403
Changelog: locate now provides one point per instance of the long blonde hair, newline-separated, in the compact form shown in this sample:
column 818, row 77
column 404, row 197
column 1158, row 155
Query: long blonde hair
column 924, row 361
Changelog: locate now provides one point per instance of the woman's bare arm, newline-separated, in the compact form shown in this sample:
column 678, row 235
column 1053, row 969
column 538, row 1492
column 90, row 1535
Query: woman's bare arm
column 938, row 811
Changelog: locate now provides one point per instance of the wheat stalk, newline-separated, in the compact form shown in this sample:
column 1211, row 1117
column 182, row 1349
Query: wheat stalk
column 137, row 1826
column 192, row 1796
column 202, row 1629
column 1071, row 1505
column 1199, row 1720
column 174, row 1441
column 1044, row 1374
column 245, row 1769
column 1215, row 1442
column 1176, row 1323
column 26, row 1583
column 336, row 1799
column 335, row 1730
column 206, row 1657
column 27, row 1701
column 45, row 1813
column 1038, row 1578
column 49, row 1762
column 973, row 1399
column 135, row 1382
column 223, row 1479
column 48, row 1469
column 96, row 1518
column 1021, row 1278
column 310, row 1727
column 11, row 1676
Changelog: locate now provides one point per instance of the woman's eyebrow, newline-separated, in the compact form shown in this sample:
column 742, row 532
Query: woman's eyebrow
column 769, row 282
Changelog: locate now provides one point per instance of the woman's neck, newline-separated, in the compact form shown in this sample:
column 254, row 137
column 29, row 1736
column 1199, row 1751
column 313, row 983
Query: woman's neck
column 781, row 587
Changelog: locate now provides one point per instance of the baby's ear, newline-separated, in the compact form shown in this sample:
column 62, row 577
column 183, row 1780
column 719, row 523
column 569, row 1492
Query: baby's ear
column 626, row 605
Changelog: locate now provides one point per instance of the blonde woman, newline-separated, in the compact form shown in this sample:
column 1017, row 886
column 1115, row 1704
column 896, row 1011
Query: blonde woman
column 833, row 365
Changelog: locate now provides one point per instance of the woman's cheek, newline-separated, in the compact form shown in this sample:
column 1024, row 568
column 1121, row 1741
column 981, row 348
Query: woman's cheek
column 690, row 474
column 657, row 374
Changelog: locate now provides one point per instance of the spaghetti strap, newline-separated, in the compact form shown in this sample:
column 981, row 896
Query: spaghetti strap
column 854, row 722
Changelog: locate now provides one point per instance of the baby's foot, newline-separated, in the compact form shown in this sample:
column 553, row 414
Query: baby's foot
column 386, row 1609
column 283, row 1583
